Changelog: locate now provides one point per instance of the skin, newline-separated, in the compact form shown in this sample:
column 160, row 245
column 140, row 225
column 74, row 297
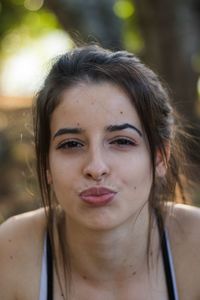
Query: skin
column 117, row 160
column 107, row 243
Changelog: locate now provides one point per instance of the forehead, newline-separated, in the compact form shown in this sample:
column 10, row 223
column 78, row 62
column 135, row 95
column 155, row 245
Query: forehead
column 90, row 103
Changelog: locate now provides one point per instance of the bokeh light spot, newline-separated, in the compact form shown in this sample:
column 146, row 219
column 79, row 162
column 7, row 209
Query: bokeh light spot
column 23, row 72
column 33, row 5
column 123, row 9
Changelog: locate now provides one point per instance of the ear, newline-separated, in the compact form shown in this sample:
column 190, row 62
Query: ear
column 49, row 177
column 161, row 161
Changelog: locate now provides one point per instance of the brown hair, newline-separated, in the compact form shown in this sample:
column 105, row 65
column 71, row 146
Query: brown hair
column 150, row 99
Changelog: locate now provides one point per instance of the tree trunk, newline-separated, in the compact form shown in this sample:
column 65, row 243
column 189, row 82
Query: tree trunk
column 88, row 21
column 171, row 31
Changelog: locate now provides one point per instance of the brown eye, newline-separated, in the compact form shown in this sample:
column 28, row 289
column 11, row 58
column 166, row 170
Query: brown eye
column 123, row 142
column 70, row 145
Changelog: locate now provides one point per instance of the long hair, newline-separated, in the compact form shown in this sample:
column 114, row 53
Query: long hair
column 150, row 98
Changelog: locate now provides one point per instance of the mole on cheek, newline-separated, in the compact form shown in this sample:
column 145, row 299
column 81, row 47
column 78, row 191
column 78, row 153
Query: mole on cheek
column 121, row 112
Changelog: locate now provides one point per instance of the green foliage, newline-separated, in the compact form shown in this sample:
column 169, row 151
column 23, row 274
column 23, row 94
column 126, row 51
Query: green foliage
column 123, row 9
column 19, row 25
column 39, row 22
column 10, row 15
column 132, row 39
column 17, row 2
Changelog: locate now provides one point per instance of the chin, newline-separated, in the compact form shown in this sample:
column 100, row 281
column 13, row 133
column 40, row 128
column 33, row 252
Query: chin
column 102, row 224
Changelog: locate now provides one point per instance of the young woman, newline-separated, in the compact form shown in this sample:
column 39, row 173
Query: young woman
column 110, row 166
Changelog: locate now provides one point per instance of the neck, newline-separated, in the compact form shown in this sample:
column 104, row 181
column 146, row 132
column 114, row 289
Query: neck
column 111, row 254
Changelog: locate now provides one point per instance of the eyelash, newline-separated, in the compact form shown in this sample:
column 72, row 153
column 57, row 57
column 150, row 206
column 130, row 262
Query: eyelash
column 70, row 145
column 121, row 142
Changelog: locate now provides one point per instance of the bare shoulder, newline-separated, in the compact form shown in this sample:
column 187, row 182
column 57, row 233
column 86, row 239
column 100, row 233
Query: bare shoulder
column 20, row 230
column 20, row 251
column 23, row 222
column 184, row 230
column 184, row 220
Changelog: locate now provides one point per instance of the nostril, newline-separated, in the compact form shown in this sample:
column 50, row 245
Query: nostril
column 96, row 177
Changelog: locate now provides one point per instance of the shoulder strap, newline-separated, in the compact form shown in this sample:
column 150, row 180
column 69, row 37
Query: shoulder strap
column 43, row 276
column 49, row 269
column 167, row 259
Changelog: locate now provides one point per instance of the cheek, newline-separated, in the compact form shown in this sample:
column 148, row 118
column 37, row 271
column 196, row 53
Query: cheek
column 138, row 182
column 137, row 171
column 62, row 185
column 61, row 166
column 64, row 176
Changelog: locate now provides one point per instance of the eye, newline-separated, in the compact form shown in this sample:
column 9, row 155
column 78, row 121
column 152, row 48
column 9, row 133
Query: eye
column 122, row 142
column 72, row 144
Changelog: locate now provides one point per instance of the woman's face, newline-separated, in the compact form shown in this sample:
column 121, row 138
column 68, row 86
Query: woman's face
column 99, row 163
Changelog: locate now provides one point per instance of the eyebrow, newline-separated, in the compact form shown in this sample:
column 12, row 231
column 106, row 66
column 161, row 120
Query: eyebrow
column 68, row 131
column 110, row 128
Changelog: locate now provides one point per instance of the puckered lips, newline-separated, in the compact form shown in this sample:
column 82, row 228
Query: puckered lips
column 97, row 196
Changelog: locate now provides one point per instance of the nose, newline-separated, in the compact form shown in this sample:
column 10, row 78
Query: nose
column 96, row 167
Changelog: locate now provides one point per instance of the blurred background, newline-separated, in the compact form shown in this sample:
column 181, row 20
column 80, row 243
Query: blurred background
column 163, row 33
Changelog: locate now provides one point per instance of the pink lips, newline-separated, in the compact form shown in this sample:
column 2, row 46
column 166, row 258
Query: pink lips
column 97, row 196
